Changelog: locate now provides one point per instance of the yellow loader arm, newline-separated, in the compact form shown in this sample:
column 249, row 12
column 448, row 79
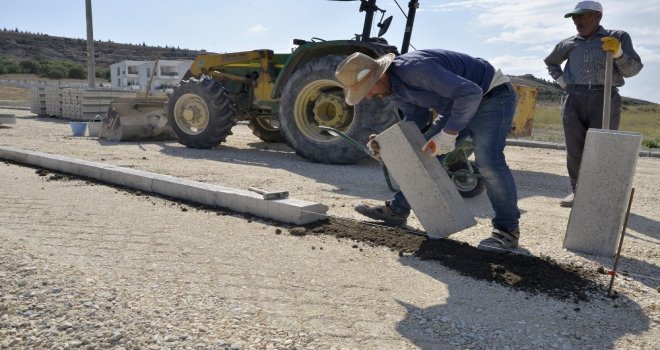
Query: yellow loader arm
column 215, row 65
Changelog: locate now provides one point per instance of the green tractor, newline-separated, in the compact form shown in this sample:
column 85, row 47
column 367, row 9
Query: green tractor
column 286, row 97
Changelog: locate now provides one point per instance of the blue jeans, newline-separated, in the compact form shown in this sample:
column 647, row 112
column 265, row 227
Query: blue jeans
column 488, row 130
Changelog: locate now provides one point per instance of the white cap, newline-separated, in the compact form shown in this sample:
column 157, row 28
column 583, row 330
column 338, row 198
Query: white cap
column 584, row 7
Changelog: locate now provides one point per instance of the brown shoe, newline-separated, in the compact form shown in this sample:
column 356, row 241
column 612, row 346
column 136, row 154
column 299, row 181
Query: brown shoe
column 567, row 202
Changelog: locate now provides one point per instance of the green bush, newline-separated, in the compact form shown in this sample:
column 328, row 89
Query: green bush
column 77, row 72
column 103, row 72
column 8, row 66
column 61, row 70
column 29, row 67
column 651, row 143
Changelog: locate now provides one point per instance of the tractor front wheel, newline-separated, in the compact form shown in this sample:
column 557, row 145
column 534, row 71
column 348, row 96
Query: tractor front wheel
column 201, row 113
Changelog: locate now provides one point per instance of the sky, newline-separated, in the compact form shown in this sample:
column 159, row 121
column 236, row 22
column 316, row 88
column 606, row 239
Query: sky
column 514, row 35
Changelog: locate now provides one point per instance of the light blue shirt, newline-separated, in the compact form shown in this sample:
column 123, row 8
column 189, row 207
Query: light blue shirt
column 586, row 59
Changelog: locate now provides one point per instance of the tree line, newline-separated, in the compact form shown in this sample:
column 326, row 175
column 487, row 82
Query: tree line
column 50, row 69
column 143, row 44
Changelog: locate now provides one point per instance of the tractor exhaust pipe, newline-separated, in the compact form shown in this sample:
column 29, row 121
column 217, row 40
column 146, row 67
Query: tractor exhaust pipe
column 413, row 5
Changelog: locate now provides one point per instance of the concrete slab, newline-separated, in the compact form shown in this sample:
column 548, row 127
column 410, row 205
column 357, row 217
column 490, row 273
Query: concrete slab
column 127, row 177
column 603, row 190
column 14, row 154
column 286, row 210
column 7, row 119
column 431, row 194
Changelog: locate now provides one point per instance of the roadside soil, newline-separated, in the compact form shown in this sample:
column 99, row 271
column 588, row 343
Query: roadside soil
column 540, row 268
column 522, row 272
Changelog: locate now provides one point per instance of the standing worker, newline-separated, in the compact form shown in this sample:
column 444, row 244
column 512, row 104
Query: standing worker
column 471, row 98
column 583, row 78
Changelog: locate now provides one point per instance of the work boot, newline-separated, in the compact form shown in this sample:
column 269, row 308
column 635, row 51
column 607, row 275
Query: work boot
column 382, row 213
column 567, row 202
column 501, row 241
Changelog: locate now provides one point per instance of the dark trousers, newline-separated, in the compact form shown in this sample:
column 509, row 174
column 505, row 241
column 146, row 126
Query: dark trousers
column 581, row 110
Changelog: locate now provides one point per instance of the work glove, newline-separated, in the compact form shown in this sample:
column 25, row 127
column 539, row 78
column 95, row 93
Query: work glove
column 373, row 146
column 561, row 82
column 439, row 144
column 612, row 45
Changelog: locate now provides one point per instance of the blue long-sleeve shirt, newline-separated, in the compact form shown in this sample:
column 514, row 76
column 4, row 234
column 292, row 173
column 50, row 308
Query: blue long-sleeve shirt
column 451, row 83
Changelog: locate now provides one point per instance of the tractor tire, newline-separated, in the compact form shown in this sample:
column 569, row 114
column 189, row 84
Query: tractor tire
column 265, row 129
column 312, row 97
column 201, row 113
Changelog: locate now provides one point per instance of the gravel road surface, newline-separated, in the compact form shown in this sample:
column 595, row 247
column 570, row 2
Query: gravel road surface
column 89, row 266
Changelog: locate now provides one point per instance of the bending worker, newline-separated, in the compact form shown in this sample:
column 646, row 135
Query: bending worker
column 471, row 98
column 583, row 78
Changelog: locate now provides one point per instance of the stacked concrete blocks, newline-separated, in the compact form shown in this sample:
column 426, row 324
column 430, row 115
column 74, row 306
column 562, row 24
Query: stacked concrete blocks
column 53, row 101
column 603, row 190
column 82, row 104
column 38, row 100
column 284, row 210
column 422, row 179
column 85, row 104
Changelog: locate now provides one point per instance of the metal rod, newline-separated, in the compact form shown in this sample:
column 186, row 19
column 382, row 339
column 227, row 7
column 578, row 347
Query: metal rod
column 369, row 6
column 412, row 9
column 607, row 93
column 91, row 59
column 618, row 252
column 365, row 150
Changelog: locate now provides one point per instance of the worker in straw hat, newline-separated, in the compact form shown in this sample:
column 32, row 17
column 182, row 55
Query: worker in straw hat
column 583, row 78
column 471, row 99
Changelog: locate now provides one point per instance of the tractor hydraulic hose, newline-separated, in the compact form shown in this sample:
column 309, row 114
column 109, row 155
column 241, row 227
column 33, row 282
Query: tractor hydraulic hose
column 363, row 149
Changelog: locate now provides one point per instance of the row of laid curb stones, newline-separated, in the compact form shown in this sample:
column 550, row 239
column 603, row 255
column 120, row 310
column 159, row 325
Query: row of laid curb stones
column 7, row 119
column 561, row 146
column 288, row 210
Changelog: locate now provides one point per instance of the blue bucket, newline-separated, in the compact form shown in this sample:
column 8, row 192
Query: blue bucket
column 78, row 128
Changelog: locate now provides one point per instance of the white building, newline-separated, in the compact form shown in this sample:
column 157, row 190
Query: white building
column 136, row 74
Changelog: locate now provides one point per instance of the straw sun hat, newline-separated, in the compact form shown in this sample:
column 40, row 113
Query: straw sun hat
column 359, row 73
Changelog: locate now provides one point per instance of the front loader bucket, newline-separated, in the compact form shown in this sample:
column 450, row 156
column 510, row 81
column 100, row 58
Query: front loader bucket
column 135, row 119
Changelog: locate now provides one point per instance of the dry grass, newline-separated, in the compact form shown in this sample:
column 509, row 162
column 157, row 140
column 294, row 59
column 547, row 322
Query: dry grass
column 14, row 96
column 10, row 93
column 644, row 119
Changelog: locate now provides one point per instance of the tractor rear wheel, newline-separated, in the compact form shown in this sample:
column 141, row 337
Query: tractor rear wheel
column 201, row 113
column 312, row 97
column 266, row 129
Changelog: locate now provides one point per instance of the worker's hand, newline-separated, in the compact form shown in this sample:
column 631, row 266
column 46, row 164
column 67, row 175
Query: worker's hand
column 612, row 45
column 373, row 146
column 561, row 82
column 440, row 143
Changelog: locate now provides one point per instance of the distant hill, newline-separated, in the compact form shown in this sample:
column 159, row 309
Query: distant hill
column 21, row 45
